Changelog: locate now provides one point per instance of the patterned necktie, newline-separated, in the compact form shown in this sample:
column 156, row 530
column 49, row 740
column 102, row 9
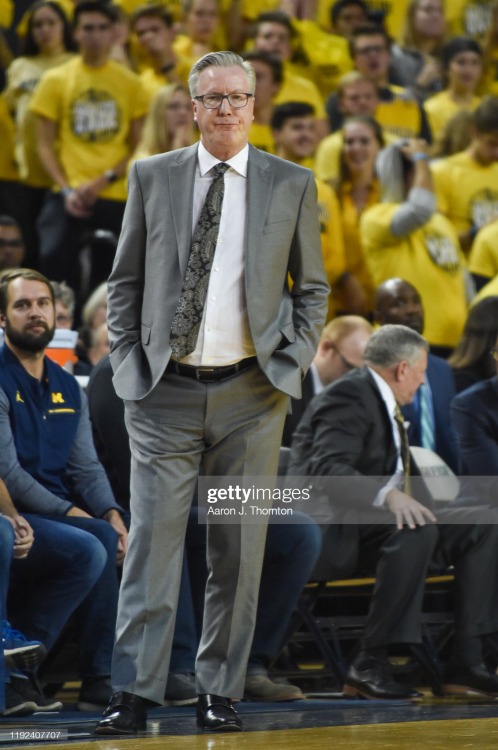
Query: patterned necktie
column 426, row 418
column 190, row 308
column 405, row 447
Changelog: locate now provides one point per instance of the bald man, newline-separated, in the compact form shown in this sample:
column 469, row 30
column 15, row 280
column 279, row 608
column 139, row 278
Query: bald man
column 340, row 350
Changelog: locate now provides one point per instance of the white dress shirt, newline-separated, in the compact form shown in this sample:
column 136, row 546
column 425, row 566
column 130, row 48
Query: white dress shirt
column 224, row 335
column 390, row 404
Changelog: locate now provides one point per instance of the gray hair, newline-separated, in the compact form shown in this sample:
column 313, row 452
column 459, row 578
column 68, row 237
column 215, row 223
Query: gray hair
column 220, row 60
column 64, row 294
column 392, row 344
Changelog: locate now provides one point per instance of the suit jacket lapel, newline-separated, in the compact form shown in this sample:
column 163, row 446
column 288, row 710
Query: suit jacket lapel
column 391, row 452
column 181, row 186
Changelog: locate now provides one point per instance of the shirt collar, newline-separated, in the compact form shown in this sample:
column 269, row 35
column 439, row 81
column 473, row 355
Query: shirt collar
column 238, row 162
column 385, row 392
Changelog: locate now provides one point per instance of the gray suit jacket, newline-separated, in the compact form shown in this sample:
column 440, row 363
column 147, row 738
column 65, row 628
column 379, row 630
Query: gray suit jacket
column 282, row 236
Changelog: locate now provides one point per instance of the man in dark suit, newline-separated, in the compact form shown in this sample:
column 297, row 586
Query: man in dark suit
column 353, row 432
column 207, row 344
column 475, row 416
column 340, row 350
column 428, row 416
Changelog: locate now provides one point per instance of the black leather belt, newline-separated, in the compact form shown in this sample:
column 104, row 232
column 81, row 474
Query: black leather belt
column 210, row 374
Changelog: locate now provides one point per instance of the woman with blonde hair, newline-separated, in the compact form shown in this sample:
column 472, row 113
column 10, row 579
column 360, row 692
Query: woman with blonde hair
column 169, row 123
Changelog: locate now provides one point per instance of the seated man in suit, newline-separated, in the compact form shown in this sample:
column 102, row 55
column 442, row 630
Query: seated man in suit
column 428, row 416
column 353, row 431
column 340, row 350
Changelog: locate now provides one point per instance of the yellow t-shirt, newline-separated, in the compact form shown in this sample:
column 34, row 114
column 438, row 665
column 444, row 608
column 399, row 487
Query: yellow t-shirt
column 251, row 9
column 23, row 76
column 8, row 168
column 490, row 290
column 6, row 13
column 333, row 252
column 297, row 89
column 441, row 108
column 350, row 222
column 400, row 114
column 469, row 17
column 93, row 108
column 430, row 258
column 152, row 81
column 483, row 258
column 328, row 56
column 466, row 192
column 261, row 137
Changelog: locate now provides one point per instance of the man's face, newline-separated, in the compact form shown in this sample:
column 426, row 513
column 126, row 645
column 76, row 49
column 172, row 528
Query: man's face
column 63, row 317
column 342, row 357
column 29, row 321
column 371, row 56
column 153, row 35
column 400, row 303
column 486, row 148
column 410, row 379
column 95, row 34
column 360, row 98
column 266, row 88
column 350, row 18
column 202, row 20
column 275, row 38
column 11, row 247
column 224, row 131
column 297, row 137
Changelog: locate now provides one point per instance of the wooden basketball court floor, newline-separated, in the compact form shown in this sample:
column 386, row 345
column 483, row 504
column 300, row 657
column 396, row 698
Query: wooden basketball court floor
column 302, row 725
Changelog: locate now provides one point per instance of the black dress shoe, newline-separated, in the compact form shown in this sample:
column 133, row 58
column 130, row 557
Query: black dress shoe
column 373, row 680
column 477, row 680
column 125, row 714
column 216, row 714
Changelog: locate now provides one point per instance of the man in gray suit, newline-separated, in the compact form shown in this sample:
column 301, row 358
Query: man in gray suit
column 206, row 351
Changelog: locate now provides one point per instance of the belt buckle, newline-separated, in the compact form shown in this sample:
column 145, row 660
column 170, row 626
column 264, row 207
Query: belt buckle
column 201, row 371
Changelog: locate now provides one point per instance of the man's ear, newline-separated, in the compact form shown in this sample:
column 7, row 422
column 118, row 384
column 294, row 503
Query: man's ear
column 400, row 370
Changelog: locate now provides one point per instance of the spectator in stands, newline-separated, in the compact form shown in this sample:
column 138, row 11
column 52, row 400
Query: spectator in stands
column 47, row 44
column 462, row 64
column 48, row 459
column 291, row 552
column 483, row 259
column 357, row 95
column 404, row 236
column 274, row 33
column 169, row 123
column 416, row 56
column 154, row 30
column 466, row 184
column 89, row 113
column 340, row 350
column 295, row 136
column 95, row 310
column 357, row 188
column 348, row 15
column 93, row 345
column 12, row 248
column 470, row 18
column 201, row 24
column 398, row 111
column 490, row 50
column 64, row 304
column 269, row 76
column 53, row 569
column 428, row 416
column 353, row 430
column 456, row 135
column 472, row 360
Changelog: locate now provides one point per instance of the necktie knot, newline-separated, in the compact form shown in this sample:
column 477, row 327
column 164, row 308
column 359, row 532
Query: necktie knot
column 220, row 169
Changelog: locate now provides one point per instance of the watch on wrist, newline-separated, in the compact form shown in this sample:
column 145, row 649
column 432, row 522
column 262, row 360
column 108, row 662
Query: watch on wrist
column 111, row 176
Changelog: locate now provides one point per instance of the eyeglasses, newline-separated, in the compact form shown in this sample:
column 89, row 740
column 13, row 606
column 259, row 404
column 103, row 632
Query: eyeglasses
column 376, row 49
column 11, row 243
column 214, row 101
